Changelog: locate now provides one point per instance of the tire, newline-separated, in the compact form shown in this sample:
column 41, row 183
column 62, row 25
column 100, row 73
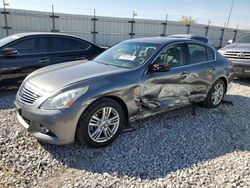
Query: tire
column 92, row 123
column 210, row 102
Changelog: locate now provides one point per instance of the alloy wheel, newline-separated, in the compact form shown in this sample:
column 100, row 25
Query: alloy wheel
column 217, row 94
column 103, row 124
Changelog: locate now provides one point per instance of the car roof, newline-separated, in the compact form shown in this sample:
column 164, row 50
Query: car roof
column 158, row 40
column 41, row 33
column 187, row 36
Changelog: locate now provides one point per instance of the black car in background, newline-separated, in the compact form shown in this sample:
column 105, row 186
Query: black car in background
column 20, row 54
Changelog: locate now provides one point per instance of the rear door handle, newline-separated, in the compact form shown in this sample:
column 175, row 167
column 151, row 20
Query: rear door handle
column 43, row 60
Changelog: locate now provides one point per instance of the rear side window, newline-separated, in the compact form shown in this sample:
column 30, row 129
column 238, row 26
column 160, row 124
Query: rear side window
column 199, row 53
column 62, row 44
column 210, row 54
column 31, row 46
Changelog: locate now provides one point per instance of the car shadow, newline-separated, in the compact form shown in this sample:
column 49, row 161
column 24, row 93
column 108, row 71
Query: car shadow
column 156, row 146
column 242, row 81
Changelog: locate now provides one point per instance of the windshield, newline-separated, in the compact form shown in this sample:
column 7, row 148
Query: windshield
column 8, row 39
column 245, row 38
column 127, row 54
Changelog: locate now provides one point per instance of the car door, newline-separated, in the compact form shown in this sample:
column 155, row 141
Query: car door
column 161, row 90
column 201, row 69
column 30, row 54
column 63, row 49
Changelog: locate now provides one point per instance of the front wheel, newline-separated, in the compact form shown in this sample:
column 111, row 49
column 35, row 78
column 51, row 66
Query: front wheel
column 101, row 123
column 215, row 95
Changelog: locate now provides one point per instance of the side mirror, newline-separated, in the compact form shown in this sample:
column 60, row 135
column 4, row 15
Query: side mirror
column 160, row 67
column 230, row 41
column 9, row 51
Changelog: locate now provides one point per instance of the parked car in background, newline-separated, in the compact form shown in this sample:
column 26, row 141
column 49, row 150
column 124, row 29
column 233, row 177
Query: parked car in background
column 194, row 37
column 20, row 54
column 239, row 53
column 137, row 78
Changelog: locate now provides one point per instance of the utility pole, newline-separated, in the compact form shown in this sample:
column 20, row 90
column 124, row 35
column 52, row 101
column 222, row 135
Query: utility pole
column 229, row 16
column 5, row 17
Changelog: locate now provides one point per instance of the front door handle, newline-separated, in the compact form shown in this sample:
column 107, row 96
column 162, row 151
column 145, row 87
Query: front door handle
column 43, row 60
column 80, row 58
column 184, row 74
column 213, row 67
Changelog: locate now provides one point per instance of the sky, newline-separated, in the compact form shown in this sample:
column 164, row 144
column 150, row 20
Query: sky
column 200, row 10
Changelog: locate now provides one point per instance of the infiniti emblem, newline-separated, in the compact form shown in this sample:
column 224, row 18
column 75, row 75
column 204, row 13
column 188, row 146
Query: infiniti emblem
column 241, row 55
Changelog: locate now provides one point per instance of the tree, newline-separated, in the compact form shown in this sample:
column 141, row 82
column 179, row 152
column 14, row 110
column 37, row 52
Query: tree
column 187, row 20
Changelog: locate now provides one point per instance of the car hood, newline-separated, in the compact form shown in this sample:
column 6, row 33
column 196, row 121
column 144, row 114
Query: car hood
column 238, row 47
column 54, row 77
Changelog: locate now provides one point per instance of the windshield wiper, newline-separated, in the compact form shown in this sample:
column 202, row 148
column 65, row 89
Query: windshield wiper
column 110, row 64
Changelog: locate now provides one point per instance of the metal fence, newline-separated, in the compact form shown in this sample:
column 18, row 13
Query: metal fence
column 105, row 31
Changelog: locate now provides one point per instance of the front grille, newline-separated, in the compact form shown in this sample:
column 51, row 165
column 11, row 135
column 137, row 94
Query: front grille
column 27, row 94
column 241, row 56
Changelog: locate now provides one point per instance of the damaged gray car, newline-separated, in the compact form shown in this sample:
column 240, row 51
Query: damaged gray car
column 92, row 101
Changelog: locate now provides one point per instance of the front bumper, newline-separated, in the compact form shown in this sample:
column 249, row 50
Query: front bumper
column 241, row 68
column 51, row 126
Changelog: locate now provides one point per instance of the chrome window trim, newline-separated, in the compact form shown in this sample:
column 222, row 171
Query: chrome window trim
column 186, row 65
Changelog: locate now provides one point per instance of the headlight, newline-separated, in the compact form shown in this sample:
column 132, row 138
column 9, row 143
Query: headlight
column 222, row 51
column 64, row 100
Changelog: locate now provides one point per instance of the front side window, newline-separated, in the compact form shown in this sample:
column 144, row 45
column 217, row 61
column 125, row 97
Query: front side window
column 127, row 54
column 30, row 46
column 174, row 56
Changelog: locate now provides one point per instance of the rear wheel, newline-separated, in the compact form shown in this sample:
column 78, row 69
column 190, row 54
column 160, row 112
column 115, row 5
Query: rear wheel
column 215, row 95
column 101, row 123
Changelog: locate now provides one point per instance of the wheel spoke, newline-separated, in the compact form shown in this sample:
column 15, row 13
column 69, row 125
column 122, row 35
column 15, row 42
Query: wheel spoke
column 96, row 134
column 103, row 113
column 93, row 125
column 108, row 112
column 114, row 119
column 108, row 132
column 95, row 118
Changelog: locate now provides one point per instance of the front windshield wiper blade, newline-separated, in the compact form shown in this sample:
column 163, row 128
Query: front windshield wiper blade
column 102, row 62
column 110, row 64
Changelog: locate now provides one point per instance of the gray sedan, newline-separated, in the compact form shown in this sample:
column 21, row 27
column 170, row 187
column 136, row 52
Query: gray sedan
column 92, row 101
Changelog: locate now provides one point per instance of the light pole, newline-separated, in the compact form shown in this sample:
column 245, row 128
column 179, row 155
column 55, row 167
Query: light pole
column 229, row 16
column 134, row 14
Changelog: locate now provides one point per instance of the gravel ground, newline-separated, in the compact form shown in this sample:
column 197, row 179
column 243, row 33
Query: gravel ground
column 175, row 149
